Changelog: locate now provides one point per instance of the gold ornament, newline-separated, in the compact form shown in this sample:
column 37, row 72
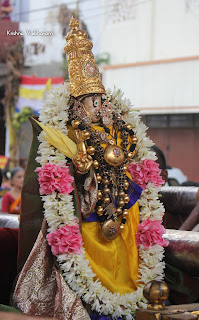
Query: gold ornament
column 125, row 167
column 130, row 155
column 106, row 181
column 121, row 194
column 106, row 199
column 129, row 127
column 91, row 150
column 80, row 166
column 106, row 190
column 122, row 227
column 119, row 211
column 83, row 72
column 110, row 229
column 107, row 114
column 156, row 292
column 121, row 203
column 86, row 134
column 125, row 213
column 99, row 178
column 126, row 184
column 114, row 155
column 75, row 124
column 99, row 194
column 96, row 164
column 134, row 139
column 100, row 211
column 126, row 199
column 110, row 211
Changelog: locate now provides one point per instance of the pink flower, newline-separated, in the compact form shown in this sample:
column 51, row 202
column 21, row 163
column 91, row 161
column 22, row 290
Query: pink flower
column 52, row 177
column 65, row 240
column 150, row 233
column 147, row 171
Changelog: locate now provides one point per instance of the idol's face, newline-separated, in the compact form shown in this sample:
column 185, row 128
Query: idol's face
column 93, row 106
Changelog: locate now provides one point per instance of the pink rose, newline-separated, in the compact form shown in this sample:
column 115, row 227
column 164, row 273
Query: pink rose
column 150, row 233
column 52, row 177
column 147, row 171
column 65, row 240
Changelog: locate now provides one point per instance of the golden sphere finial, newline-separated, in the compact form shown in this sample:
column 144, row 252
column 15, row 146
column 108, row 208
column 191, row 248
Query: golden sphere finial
column 74, row 23
column 156, row 292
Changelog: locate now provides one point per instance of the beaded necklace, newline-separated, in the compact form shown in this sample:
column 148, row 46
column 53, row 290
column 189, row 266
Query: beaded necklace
column 110, row 165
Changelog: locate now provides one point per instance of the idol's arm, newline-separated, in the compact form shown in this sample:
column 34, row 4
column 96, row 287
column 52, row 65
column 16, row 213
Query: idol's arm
column 81, row 160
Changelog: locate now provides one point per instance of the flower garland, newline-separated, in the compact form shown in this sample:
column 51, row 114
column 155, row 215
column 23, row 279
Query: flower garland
column 63, row 232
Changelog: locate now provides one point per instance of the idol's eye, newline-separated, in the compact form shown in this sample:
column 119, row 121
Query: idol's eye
column 95, row 103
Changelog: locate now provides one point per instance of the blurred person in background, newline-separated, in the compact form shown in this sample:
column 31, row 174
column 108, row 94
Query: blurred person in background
column 1, row 177
column 161, row 161
column 192, row 222
column 5, row 186
column 11, row 200
column 5, row 9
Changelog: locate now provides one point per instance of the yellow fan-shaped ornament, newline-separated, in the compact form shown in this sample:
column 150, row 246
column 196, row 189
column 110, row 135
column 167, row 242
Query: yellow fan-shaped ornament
column 59, row 140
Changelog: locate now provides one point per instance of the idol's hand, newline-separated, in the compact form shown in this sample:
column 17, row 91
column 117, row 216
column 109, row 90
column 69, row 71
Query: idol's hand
column 82, row 162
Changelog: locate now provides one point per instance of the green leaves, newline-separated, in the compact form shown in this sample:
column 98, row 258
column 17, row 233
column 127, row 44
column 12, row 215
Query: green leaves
column 21, row 117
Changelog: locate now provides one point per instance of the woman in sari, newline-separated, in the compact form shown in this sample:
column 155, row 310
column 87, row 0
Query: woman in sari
column 11, row 200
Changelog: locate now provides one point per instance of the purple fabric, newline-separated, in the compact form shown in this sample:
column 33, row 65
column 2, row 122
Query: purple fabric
column 100, row 317
column 93, row 217
column 134, row 192
column 94, row 315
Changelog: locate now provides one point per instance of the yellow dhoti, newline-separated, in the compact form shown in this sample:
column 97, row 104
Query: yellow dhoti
column 114, row 262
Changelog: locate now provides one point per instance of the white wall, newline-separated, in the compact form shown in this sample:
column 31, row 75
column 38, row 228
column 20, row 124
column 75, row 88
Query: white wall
column 157, row 30
column 158, row 88
column 177, row 29
column 160, row 29
column 127, row 41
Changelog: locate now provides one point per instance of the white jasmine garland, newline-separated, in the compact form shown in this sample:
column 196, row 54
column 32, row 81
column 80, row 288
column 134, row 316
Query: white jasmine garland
column 59, row 211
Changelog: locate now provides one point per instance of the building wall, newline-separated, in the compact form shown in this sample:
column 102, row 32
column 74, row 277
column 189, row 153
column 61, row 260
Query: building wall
column 43, row 17
column 176, row 28
column 156, row 29
column 154, row 52
column 126, row 41
column 45, row 20
column 181, row 148
column 162, row 86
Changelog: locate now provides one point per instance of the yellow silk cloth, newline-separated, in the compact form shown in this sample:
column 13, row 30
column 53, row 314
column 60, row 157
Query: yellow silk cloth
column 114, row 262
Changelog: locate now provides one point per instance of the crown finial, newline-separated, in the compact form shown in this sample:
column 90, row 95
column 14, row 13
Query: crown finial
column 74, row 23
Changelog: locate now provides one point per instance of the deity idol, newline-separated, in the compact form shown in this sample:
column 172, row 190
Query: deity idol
column 89, row 168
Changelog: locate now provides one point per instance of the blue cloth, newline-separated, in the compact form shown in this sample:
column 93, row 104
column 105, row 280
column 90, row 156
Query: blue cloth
column 134, row 192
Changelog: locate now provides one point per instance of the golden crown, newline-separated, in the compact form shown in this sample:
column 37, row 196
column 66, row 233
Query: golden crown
column 83, row 71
